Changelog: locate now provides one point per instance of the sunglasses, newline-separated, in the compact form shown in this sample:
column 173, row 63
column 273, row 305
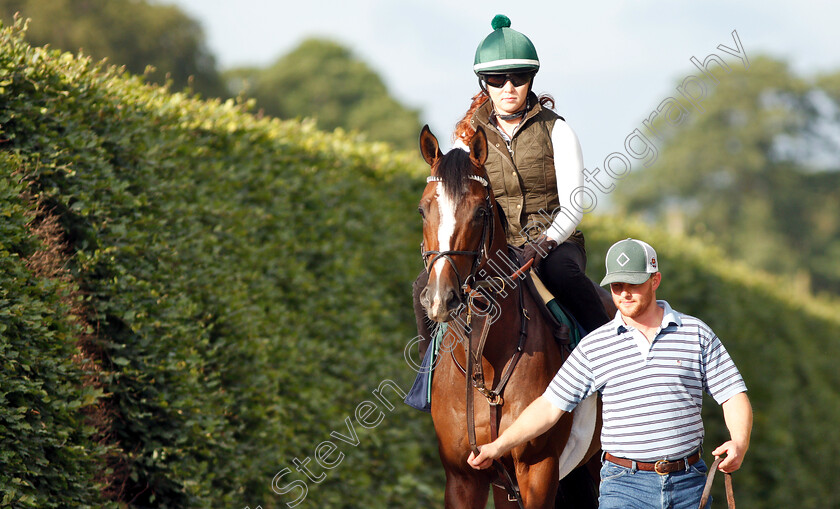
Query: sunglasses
column 498, row 80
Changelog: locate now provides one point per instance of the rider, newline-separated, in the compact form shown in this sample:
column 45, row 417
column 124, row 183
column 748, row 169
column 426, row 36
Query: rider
column 535, row 167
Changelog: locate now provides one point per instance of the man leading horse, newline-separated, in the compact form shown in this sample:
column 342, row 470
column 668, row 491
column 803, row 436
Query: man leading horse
column 651, row 365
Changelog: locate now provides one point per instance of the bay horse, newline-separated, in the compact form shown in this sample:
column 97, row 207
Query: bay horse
column 512, row 347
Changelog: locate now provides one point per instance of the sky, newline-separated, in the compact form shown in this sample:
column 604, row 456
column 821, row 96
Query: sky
column 608, row 64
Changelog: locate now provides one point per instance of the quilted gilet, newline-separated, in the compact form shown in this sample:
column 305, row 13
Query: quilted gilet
column 523, row 177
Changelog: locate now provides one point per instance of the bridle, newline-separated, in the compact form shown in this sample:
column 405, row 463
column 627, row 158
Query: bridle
column 487, row 232
column 474, row 373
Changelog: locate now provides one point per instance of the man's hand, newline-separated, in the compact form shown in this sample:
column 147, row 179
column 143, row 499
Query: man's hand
column 486, row 454
column 737, row 412
column 734, row 456
column 535, row 420
column 538, row 248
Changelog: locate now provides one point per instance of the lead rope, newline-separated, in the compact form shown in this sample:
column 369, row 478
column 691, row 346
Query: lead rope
column 475, row 381
column 510, row 484
column 730, row 494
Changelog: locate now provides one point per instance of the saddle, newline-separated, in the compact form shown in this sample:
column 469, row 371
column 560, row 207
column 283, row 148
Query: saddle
column 567, row 330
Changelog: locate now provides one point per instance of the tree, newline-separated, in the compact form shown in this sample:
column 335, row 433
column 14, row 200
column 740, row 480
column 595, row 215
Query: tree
column 755, row 173
column 133, row 33
column 323, row 80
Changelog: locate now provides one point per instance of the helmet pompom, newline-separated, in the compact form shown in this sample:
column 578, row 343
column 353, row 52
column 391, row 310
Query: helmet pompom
column 505, row 49
column 500, row 21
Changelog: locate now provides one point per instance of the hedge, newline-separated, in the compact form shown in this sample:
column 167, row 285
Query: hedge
column 246, row 282
column 203, row 308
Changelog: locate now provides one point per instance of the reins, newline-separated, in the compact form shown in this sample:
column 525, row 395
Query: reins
column 730, row 494
column 471, row 289
column 474, row 376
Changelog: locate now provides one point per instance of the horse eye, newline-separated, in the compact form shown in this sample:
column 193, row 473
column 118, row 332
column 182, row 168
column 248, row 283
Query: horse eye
column 480, row 214
column 422, row 212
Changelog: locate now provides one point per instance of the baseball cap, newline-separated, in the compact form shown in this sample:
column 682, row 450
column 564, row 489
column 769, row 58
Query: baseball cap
column 630, row 261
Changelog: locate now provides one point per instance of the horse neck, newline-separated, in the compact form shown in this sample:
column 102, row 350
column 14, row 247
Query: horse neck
column 498, row 264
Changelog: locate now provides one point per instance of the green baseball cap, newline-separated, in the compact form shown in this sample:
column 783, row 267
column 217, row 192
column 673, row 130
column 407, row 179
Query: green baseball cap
column 630, row 261
column 505, row 49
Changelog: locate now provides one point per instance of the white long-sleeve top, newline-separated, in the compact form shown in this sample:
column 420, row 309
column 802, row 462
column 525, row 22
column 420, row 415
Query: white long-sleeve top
column 568, row 166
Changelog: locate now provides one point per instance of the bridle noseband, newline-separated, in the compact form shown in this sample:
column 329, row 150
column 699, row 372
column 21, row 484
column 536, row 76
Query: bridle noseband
column 479, row 254
column 474, row 373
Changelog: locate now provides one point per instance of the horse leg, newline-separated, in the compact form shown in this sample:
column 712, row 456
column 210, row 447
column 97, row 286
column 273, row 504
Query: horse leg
column 465, row 491
column 579, row 489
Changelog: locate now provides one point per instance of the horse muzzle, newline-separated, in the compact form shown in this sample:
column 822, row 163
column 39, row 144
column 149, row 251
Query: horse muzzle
column 440, row 301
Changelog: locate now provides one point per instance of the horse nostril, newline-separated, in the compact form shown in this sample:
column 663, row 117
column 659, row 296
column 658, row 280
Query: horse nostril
column 424, row 297
column 452, row 300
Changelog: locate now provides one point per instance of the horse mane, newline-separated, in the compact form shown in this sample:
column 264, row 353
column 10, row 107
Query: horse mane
column 453, row 170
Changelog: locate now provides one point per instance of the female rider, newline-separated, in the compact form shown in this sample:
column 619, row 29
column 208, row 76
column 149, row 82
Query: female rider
column 535, row 167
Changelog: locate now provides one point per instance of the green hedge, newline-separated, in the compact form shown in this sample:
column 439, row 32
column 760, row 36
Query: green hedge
column 48, row 458
column 234, row 297
column 247, row 283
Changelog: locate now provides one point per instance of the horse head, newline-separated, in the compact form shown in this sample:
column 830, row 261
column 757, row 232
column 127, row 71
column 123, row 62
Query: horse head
column 458, row 221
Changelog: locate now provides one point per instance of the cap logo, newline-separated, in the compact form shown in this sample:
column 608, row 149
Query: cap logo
column 623, row 259
column 653, row 262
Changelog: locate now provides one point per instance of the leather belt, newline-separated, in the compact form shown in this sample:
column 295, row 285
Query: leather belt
column 661, row 467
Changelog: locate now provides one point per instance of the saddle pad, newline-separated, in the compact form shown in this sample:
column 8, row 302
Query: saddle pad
column 561, row 315
column 583, row 429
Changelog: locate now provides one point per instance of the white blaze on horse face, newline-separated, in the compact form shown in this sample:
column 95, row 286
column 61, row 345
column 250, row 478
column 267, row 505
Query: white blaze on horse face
column 446, row 229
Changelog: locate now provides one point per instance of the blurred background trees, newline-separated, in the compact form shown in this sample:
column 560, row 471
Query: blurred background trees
column 319, row 79
column 323, row 80
column 133, row 33
column 755, row 173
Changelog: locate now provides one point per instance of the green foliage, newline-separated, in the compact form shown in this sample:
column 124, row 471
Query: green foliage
column 756, row 172
column 245, row 285
column 133, row 33
column 244, row 292
column 785, row 345
column 323, row 80
column 47, row 456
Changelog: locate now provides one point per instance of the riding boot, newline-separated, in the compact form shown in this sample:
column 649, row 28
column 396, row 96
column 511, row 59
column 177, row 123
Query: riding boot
column 424, row 324
column 562, row 271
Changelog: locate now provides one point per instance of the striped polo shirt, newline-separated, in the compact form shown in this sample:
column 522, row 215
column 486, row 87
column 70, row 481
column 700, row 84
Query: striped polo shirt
column 652, row 393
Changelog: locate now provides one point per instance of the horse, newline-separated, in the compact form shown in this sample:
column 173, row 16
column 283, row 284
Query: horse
column 512, row 346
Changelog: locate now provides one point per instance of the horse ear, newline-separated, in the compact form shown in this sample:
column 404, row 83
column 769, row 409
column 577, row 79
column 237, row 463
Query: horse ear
column 478, row 147
column 429, row 147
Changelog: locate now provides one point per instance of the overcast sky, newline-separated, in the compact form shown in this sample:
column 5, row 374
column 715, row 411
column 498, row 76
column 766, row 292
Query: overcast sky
column 608, row 64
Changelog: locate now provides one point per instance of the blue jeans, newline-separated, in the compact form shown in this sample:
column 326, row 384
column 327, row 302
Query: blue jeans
column 624, row 488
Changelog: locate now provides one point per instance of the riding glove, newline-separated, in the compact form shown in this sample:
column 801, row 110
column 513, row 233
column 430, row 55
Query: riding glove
column 538, row 248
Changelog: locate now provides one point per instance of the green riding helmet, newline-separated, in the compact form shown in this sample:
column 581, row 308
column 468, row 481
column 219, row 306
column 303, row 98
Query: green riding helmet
column 505, row 49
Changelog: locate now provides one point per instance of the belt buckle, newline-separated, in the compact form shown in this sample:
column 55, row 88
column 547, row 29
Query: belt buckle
column 657, row 464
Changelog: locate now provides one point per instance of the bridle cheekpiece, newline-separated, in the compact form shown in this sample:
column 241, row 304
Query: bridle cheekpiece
column 478, row 254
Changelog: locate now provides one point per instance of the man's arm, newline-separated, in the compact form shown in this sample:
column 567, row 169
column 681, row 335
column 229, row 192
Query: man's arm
column 532, row 422
column 737, row 412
